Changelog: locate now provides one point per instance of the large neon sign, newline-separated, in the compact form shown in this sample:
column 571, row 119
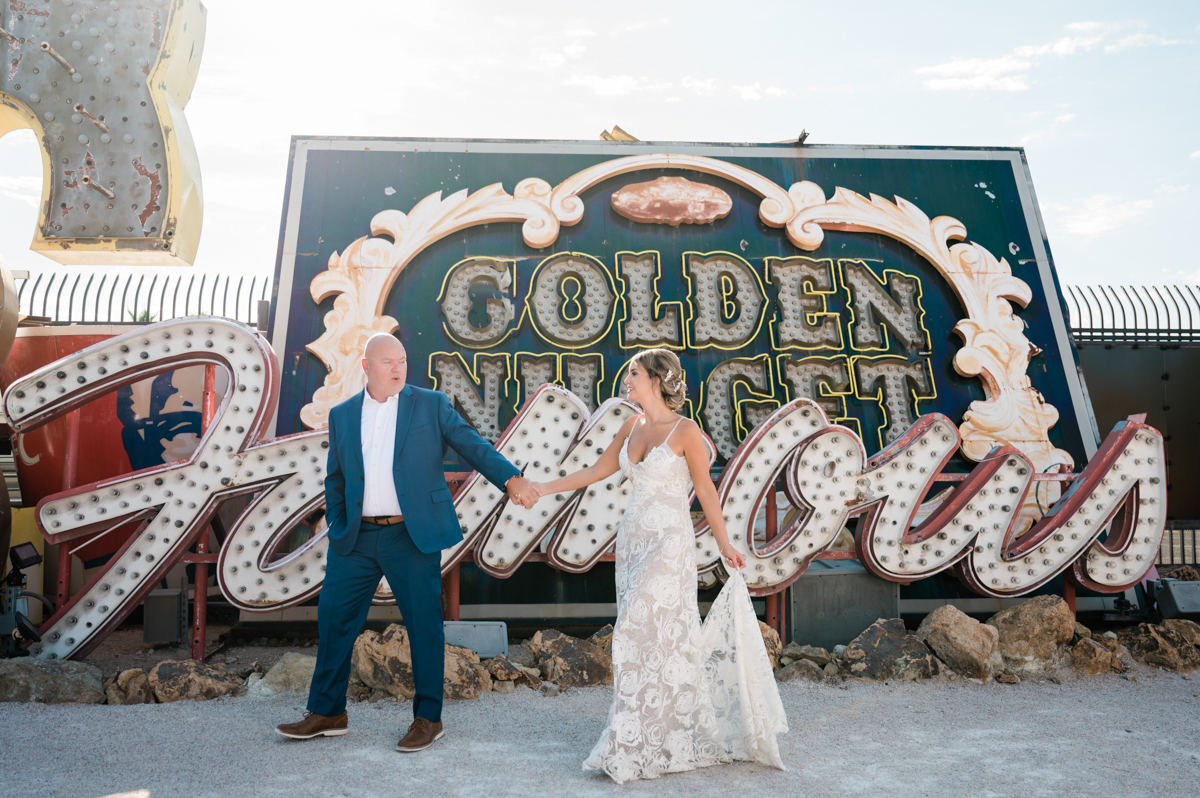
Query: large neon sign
column 827, row 475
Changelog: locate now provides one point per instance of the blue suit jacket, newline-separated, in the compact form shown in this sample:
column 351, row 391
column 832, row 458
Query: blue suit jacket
column 425, row 421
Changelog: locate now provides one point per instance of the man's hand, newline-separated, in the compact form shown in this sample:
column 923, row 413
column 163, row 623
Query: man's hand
column 522, row 492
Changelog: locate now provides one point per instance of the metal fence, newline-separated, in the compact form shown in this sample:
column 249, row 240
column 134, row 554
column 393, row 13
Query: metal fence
column 1153, row 314
column 1181, row 544
column 100, row 298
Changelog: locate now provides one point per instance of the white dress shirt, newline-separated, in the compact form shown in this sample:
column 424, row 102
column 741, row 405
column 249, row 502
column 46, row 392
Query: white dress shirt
column 378, row 450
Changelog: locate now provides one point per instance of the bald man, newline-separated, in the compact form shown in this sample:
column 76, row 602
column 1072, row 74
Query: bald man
column 390, row 513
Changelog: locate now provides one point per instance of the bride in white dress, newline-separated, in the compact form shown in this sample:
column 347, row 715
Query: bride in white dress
column 685, row 695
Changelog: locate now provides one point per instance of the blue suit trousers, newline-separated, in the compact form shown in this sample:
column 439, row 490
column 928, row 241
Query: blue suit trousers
column 350, row 581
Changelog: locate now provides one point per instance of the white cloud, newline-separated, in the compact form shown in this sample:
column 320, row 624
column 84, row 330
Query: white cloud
column 575, row 48
column 1006, row 73
column 547, row 61
column 1067, row 45
column 672, row 99
column 1011, row 72
column 1064, row 118
column 702, row 87
column 614, row 85
column 1139, row 40
column 775, row 91
column 23, row 188
column 578, row 33
column 1094, row 216
column 749, row 92
column 1195, row 156
column 1168, row 188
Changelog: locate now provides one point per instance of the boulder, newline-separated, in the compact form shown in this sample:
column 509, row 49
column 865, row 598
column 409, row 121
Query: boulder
column 771, row 641
column 1121, row 661
column 502, row 687
column 1189, row 629
column 801, row 669
column 603, row 638
column 292, row 674
column 188, row 680
column 466, row 677
column 1090, row 658
column 384, row 661
column 503, row 670
column 135, row 688
column 1082, row 631
column 569, row 661
column 1184, row 573
column 1032, row 632
column 963, row 643
column 1008, row 677
column 794, row 651
column 885, row 650
column 1158, row 645
column 50, row 681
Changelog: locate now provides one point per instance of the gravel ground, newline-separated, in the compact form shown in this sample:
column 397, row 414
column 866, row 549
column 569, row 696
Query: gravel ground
column 1105, row 736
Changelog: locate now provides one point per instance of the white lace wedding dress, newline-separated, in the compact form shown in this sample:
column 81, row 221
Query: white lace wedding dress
column 685, row 695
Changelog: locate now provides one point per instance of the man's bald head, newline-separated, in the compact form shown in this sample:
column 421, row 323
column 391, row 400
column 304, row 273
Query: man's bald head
column 385, row 365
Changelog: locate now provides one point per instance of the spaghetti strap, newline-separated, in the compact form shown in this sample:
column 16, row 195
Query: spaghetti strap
column 672, row 432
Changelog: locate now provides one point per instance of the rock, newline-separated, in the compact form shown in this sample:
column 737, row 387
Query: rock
column 801, row 669
column 502, row 687
column 1111, row 644
column 1082, row 631
column 1090, row 658
column 885, row 650
column 771, row 641
column 113, row 695
column 603, row 638
column 794, row 651
column 1032, row 632
column 963, row 643
column 187, row 680
column 137, row 687
column 1158, row 645
column 831, row 669
column 838, row 650
column 1184, row 573
column 1189, row 629
column 504, row 670
column 466, row 677
column 568, row 661
column 384, row 661
column 549, row 689
column 519, row 654
column 51, row 681
column 356, row 691
column 292, row 674
column 1008, row 677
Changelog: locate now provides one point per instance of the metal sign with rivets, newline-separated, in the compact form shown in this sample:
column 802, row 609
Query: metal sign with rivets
column 103, row 85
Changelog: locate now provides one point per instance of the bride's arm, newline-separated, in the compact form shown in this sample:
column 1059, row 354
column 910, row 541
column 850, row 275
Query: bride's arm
column 606, row 466
column 696, row 452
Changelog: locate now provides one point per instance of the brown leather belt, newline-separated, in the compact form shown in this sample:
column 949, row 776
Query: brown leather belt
column 383, row 520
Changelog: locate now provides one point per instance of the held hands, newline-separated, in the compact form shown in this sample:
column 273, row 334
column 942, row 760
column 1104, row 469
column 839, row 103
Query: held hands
column 524, row 492
column 733, row 557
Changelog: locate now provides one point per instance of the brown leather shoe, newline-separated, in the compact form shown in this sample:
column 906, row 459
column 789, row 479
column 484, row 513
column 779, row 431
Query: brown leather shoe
column 421, row 734
column 314, row 725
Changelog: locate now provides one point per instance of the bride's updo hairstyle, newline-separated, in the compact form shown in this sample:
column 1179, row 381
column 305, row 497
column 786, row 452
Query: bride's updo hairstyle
column 663, row 364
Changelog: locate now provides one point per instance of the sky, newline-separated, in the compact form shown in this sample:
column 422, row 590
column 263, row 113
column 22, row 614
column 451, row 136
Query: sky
column 1103, row 96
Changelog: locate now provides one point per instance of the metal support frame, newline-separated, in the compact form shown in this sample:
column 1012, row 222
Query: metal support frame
column 70, row 473
column 203, row 558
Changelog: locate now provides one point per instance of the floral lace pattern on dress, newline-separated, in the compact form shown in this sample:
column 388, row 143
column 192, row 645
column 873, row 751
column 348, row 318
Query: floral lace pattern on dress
column 685, row 695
